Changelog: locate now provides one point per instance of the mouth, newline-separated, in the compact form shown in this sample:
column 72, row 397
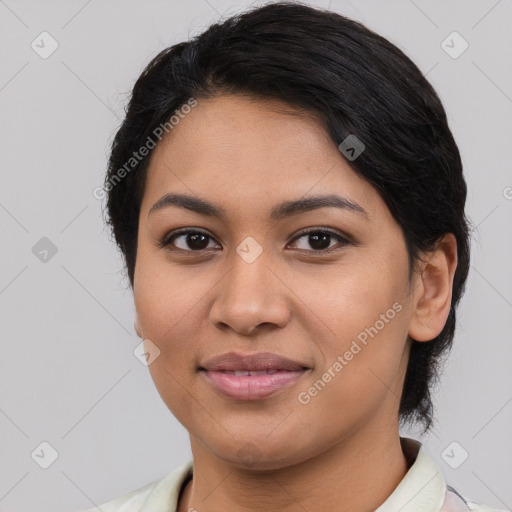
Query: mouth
column 252, row 377
column 256, row 385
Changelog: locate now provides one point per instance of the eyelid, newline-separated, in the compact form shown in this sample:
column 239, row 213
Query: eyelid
column 320, row 229
column 343, row 239
column 166, row 240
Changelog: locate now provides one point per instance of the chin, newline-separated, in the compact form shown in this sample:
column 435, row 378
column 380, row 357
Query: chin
column 261, row 452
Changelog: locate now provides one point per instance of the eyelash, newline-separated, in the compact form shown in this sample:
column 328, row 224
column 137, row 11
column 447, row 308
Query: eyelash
column 170, row 237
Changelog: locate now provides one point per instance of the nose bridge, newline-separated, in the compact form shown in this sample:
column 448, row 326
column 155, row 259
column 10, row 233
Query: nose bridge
column 250, row 294
column 249, row 265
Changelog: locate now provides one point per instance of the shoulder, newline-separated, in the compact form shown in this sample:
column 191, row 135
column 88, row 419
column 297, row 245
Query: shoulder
column 476, row 507
column 131, row 502
column 416, row 495
column 161, row 494
column 456, row 502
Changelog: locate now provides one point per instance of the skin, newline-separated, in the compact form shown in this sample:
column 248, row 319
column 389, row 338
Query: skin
column 246, row 155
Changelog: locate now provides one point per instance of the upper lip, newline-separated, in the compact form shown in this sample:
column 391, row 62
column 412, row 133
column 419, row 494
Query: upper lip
column 232, row 361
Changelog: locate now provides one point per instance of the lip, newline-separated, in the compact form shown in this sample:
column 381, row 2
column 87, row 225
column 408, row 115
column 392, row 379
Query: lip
column 259, row 361
column 232, row 374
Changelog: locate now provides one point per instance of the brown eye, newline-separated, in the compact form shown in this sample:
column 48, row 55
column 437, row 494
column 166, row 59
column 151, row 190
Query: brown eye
column 191, row 240
column 320, row 239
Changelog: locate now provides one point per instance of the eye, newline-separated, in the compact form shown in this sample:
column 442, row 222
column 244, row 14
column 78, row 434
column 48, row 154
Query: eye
column 193, row 240
column 320, row 239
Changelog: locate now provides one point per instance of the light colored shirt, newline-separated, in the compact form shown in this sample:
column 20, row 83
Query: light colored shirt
column 423, row 489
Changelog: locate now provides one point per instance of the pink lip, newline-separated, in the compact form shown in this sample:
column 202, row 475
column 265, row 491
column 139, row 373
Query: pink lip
column 233, row 361
column 252, row 387
column 274, row 373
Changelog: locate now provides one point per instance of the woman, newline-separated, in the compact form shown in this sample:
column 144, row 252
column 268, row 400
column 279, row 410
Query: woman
column 289, row 201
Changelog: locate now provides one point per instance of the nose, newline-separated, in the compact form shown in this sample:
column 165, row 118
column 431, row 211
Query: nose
column 250, row 297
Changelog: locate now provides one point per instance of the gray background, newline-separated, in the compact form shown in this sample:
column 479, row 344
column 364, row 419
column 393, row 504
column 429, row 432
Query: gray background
column 68, row 375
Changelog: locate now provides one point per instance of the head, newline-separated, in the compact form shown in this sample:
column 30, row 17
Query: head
column 246, row 119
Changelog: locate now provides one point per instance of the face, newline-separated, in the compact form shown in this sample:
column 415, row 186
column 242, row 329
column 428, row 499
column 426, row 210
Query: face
column 325, row 286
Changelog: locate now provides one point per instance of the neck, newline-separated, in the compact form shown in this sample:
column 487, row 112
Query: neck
column 358, row 474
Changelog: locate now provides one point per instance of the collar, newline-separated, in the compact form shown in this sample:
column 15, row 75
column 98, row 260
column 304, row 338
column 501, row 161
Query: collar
column 423, row 488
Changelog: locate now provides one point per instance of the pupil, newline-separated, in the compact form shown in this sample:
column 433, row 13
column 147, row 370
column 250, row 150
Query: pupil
column 319, row 241
column 199, row 241
column 192, row 240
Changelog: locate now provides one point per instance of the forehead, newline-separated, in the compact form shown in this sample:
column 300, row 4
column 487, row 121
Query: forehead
column 247, row 152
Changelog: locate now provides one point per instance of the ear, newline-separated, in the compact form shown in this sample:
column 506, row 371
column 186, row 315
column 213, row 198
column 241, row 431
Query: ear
column 432, row 294
column 136, row 326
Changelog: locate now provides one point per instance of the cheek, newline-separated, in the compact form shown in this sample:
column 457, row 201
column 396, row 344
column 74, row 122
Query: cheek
column 358, row 379
column 170, row 313
column 167, row 299
column 362, row 334
column 351, row 298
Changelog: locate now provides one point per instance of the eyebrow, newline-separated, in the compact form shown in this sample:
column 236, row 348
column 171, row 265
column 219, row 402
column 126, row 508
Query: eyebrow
column 278, row 212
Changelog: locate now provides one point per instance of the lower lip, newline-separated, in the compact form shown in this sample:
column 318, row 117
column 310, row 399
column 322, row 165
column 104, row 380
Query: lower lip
column 252, row 387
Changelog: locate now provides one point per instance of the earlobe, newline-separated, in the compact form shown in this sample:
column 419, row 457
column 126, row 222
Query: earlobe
column 433, row 291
